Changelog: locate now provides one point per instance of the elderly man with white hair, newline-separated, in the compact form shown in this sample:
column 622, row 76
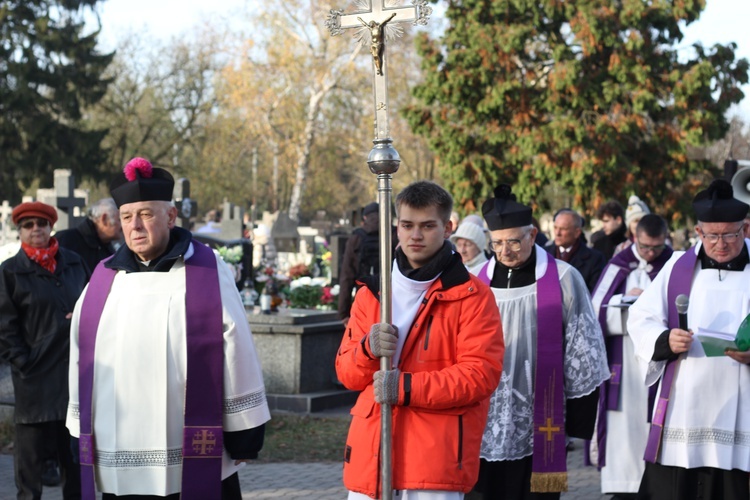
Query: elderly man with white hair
column 699, row 443
column 94, row 238
column 166, row 392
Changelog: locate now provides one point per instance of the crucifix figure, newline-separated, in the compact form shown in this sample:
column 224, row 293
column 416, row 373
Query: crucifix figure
column 375, row 22
column 377, row 41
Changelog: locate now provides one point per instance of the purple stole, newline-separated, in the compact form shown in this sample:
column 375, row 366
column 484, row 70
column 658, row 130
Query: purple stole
column 549, row 470
column 609, row 397
column 203, row 430
column 680, row 281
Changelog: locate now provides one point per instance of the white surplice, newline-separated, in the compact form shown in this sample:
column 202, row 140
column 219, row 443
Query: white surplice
column 509, row 434
column 708, row 417
column 627, row 427
column 139, row 380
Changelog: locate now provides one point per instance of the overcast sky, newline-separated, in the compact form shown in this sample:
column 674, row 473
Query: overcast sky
column 722, row 21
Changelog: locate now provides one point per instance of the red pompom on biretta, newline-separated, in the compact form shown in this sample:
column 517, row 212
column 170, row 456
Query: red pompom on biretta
column 140, row 181
column 137, row 166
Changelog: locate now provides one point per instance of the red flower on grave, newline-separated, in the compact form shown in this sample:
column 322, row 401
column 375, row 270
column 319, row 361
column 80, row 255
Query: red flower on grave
column 326, row 297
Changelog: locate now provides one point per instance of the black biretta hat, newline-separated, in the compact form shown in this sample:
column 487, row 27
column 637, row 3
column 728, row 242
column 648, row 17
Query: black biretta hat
column 718, row 204
column 503, row 212
column 140, row 181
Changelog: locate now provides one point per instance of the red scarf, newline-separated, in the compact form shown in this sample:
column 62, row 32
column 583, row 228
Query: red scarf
column 45, row 257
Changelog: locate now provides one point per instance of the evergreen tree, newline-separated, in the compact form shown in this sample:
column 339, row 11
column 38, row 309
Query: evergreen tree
column 50, row 71
column 589, row 94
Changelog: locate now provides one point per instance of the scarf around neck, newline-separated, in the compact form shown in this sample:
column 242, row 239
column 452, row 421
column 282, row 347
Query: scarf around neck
column 45, row 257
column 435, row 266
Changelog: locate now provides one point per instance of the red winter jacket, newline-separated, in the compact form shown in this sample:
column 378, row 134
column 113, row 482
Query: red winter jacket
column 451, row 362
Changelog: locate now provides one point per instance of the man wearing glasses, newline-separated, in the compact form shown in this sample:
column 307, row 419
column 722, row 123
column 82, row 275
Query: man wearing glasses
column 623, row 407
column 554, row 360
column 699, row 443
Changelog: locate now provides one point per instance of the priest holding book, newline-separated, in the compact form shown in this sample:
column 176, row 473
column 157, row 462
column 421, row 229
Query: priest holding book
column 623, row 401
column 699, row 442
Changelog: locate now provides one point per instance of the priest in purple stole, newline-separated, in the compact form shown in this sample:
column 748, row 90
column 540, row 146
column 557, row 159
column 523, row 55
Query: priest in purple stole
column 624, row 398
column 166, row 391
column 553, row 365
column 698, row 446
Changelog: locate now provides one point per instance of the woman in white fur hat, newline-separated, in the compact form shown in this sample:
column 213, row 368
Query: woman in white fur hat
column 470, row 242
column 633, row 214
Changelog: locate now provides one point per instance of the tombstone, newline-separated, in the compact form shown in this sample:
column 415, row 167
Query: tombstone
column 7, row 231
column 9, row 244
column 231, row 221
column 321, row 223
column 67, row 200
column 285, row 234
column 186, row 206
column 296, row 348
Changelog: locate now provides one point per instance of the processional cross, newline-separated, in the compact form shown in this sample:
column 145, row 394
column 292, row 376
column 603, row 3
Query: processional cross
column 377, row 22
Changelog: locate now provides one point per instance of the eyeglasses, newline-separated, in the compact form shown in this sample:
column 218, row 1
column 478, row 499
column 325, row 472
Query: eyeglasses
column 727, row 237
column 514, row 245
column 29, row 223
column 651, row 248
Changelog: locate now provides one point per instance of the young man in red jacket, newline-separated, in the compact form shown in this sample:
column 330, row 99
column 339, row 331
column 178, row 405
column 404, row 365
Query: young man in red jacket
column 447, row 347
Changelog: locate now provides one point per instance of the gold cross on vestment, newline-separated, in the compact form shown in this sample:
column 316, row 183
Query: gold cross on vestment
column 549, row 429
column 204, row 442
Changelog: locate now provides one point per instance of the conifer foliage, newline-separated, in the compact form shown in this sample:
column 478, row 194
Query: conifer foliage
column 50, row 71
column 595, row 95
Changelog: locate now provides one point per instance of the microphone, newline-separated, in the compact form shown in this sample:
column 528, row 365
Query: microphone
column 681, row 302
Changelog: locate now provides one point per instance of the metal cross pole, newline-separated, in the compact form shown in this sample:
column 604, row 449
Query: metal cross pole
column 377, row 21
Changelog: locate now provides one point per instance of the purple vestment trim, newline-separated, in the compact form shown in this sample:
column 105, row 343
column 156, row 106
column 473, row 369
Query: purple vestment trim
column 549, row 400
column 482, row 274
column 91, row 313
column 549, row 422
column 680, row 281
column 203, row 433
column 203, row 429
column 609, row 397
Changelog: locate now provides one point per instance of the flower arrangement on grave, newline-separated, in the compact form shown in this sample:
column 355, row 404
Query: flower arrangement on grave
column 325, row 264
column 268, row 280
column 232, row 256
column 313, row 293
column 298, row 271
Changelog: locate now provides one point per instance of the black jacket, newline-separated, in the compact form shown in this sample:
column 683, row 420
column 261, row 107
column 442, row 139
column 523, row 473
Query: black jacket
column 34, row 333
column 588, row 261
column 84, row 241
column 606, row 243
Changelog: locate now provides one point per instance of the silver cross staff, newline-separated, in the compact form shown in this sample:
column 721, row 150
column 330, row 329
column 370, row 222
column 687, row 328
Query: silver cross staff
column 377, row 21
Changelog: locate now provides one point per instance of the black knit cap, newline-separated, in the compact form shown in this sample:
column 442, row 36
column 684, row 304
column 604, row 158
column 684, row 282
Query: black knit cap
column 718, row 204
column 139, row 181
column 370, row 208
column 503, row 212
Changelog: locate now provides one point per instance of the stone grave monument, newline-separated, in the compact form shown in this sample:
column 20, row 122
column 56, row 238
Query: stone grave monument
column 297, row 350
column 187, row 208
column 66, row 199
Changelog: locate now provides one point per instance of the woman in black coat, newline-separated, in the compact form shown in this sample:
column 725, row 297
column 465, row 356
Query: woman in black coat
column 39, row 287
